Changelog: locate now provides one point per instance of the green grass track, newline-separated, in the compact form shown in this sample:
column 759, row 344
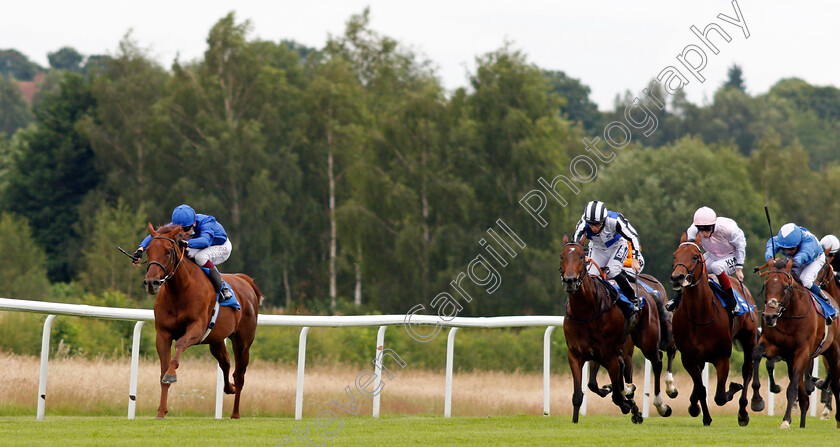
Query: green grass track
column 62, row 431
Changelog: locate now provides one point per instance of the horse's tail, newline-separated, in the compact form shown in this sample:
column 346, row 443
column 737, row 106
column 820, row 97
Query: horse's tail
column 260, row 296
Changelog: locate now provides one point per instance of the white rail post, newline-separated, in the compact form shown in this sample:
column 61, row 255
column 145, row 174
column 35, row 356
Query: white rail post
column 584, row 377
column 706, row 382
column 301, row 367
column 135, row 366
column 646, row 398
column 450, row 351
column 771, row 398
column 547, row 370
column 815, row 397
column 377, row 368
column 45, row 359
column 220, row 388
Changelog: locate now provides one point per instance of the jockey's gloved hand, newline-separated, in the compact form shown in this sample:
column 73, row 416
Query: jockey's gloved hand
column 184, row 243
column 138, row 254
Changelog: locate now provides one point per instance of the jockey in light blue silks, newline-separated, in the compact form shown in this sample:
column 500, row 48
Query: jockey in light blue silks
column 208, row 245
column 607, row 232
column 808, row 258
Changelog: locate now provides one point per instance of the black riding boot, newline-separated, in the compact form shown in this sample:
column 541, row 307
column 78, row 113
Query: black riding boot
column 672, row 304
column 216, row 279
column 729, row 298
column 624, row 284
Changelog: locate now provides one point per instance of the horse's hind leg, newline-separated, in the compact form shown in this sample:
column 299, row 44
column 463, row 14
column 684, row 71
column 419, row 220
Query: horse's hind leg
column 670, row 389
column 629, row 387
column 663, row 409
column 241, row 354
column 220, row 353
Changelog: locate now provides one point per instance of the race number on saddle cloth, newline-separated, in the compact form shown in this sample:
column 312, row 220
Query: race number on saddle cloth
column 607, row 232
column 207, row 244
column 808, row 258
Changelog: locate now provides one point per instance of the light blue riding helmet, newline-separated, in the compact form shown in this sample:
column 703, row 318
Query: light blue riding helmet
column 183, row 215
column 789, row 235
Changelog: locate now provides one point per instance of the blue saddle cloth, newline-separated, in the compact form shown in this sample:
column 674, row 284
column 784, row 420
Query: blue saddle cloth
column 827, row 309
column 626, row 300
column 742, row 302
column 231, row 302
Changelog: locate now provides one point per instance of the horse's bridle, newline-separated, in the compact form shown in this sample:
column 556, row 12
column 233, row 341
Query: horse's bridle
column 579, row 278
column 700, row 262
column 173, row 253
column 787, row 294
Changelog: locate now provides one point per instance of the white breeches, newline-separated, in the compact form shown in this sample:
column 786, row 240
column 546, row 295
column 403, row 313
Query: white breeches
column 808, row 273
column 716, row 265
column 216, row 254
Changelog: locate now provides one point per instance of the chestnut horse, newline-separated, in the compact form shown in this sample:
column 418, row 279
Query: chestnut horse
column 184, row 306
column 796, row 333
column 703, row 334
column 595, row 331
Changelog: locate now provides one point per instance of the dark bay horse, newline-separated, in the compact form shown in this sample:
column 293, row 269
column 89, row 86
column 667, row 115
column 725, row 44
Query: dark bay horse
column 702, row 332
column 666, row 345
column 595, row 331
column 183, row 309
column 796, row 333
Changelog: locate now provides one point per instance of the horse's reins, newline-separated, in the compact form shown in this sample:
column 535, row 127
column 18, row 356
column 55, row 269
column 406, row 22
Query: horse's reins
column 169, row 275
column 580, row 279
column 165, row 269
column 701, row 264
column 788, row 289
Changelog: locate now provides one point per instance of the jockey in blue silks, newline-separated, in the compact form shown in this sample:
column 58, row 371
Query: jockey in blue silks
column 208, row 244
column 808, row 258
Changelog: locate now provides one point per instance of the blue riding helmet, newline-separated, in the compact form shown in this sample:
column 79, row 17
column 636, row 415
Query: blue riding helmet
column 183, row 215
column 789, row 236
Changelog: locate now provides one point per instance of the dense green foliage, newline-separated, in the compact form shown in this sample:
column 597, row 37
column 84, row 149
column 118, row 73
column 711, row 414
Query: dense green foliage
column 351, row 181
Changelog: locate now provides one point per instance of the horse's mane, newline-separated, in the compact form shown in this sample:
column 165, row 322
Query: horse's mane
column 168, row 229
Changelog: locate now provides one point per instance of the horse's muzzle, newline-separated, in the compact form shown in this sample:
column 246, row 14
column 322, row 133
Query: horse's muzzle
column 679, row 281
column 571, row 284
column 770, row 320
column 152, row 285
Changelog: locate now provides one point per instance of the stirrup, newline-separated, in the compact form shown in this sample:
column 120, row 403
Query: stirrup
column 226, row 293
column 671, row 305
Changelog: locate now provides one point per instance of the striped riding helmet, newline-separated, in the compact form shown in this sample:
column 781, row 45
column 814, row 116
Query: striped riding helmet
column 595, row 212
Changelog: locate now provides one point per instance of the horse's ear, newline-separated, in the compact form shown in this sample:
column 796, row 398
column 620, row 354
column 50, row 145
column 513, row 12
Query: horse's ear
column 565, row 238
column 789, row 264
column 684, row 237
column 151, row 229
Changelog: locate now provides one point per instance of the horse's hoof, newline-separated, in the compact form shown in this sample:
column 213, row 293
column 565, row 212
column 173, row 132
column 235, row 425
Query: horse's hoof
column 169, row 379
column 825, row 415
column 629, row 390
column 707, row 421
column 160, row 418
column 666, row 413
column 694, row 410
column 673, row 394
column 744, row 421
column 230, row 389
column 757, row 405
column 234, row 416
column 775, row 389
column 785, row 424
column 637, row 418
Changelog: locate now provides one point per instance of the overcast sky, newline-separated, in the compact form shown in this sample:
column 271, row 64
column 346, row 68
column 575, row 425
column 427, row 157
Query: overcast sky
column 611, row 46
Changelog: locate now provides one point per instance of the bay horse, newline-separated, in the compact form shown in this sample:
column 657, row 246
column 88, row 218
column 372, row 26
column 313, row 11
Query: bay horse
column 666, row 346
column 183, row 308
column 594, row 327
column 796, row 333
column 703, row 334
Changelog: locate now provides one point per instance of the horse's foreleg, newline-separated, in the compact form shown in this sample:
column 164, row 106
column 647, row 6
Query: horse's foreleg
column 627, row 360
column 804, row 403
column 576, row 366
column 722, row 396
column 191, row 337
column 698, row 393
column 163, row 344
column 615, row 366
column 757, row 402
column 593, row 380
column 796, row 375
column 747, row 373
column 771, row 376
column 220, row 353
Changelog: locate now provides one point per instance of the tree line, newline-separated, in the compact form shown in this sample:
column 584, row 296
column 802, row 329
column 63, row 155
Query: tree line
column 350, row 181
